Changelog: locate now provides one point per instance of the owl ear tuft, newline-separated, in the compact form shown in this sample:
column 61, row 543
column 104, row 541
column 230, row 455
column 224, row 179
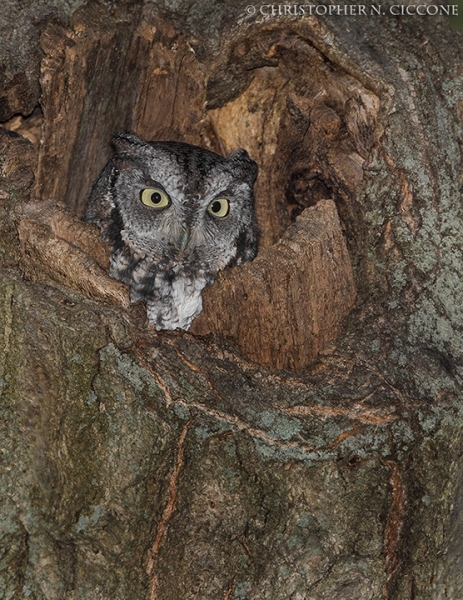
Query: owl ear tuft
column 242, row 162
column 126, row 141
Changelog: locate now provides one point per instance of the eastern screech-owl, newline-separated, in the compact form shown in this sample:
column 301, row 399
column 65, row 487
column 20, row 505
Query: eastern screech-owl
column 174, row 215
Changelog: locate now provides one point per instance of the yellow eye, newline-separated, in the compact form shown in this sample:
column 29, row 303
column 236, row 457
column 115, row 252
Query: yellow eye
column 155, row 198
column 220, row 207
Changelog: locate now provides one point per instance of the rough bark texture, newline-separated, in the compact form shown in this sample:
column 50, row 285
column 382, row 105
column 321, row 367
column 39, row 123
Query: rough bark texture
column 137, row 464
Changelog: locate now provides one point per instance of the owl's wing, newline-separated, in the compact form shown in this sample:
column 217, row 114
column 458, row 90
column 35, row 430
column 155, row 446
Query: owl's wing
column 101, row 208
column 246, row 244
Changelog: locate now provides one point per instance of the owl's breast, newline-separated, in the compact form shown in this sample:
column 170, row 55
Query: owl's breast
column 169, row 272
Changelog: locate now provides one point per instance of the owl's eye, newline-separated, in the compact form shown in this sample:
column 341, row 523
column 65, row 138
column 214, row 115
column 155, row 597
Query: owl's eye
column 220, row 207
column 155, row 198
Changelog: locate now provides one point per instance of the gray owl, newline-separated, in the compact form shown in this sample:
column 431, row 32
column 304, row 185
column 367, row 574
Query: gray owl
column 174, row 215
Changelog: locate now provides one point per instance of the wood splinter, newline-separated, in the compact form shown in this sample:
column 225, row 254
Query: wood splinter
column 56, row 245
column 284, row 307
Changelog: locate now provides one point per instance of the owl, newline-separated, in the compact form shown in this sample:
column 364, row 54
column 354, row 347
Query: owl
column 174, row 215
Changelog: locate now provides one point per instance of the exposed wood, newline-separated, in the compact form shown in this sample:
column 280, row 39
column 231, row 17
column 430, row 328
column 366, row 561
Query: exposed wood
column 133, row 75
column 309, row 127
column 56, row 244
column 282, row 309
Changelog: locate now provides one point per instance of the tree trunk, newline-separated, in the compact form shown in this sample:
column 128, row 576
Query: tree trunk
column 304, row 440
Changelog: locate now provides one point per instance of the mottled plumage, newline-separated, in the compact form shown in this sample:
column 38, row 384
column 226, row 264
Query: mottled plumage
column 174, row 215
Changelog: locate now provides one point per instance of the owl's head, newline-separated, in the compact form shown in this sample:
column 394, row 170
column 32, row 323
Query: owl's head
column 178, row 201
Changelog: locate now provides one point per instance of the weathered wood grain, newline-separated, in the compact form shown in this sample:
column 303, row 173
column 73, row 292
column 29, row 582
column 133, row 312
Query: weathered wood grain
column 282, row 309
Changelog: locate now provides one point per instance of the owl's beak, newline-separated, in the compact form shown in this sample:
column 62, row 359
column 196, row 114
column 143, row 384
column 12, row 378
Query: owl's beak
column 184, row 239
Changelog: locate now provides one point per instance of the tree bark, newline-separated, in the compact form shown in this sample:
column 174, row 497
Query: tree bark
column 306, row 448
